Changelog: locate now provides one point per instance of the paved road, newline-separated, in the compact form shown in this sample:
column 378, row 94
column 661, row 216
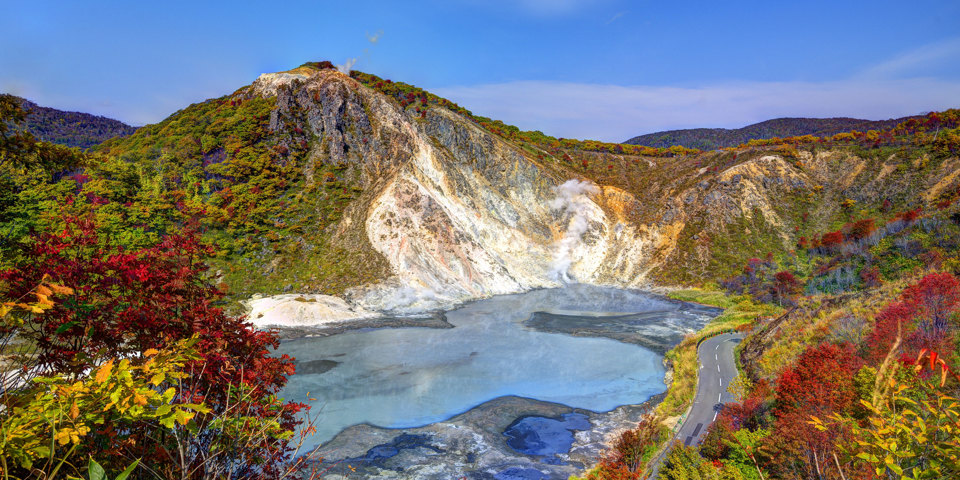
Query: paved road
column 717, row 370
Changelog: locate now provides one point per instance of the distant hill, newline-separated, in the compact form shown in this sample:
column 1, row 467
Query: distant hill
column 713, row 138
column 73, row 129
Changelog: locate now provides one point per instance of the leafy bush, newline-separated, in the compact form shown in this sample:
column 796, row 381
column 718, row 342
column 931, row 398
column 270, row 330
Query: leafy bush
column 127, row 305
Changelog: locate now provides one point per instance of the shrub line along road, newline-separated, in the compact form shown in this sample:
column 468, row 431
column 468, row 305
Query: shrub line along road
column 717, row 370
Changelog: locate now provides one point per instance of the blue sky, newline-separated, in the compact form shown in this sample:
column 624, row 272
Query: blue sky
column 605, row 69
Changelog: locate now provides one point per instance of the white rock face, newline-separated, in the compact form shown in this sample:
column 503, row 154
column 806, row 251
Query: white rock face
column 465, row 215
column 302, row 310
column 268, row 83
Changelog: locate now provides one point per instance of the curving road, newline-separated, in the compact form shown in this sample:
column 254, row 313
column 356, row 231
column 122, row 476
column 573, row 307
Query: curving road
column 717, row 370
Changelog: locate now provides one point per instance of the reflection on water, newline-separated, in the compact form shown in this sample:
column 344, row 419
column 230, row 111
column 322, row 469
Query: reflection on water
column 410, row 377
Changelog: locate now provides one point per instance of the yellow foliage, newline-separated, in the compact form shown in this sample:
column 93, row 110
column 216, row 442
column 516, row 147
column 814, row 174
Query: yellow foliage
column 65, row 410
column 103, row 373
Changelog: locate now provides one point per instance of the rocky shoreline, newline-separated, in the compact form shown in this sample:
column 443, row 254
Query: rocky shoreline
column 473, row 445
column 505, row 438
column 430, row 320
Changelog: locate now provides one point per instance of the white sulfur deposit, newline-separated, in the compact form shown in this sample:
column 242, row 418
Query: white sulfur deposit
column 302, row 310
column 460, row 214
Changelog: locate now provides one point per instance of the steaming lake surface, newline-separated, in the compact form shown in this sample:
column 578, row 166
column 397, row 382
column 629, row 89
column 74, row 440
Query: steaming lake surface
column 407, row 377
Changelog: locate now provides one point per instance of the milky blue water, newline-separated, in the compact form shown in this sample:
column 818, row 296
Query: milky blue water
column 406, row 377
column 545, row 436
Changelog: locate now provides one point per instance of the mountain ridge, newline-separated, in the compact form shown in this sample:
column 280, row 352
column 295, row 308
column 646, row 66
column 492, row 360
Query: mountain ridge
column 713, row 138
column 313, row 181
column 73, row 129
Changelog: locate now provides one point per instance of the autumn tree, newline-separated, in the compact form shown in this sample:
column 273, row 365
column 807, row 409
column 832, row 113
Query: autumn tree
column 935, row 299
column 819, row 383
column 923, row 316
column 785, row 286
column 861, row 229
column 19, row 148
column 831, row 239
column 129, row 301
column 626, row 459
column 912, row 427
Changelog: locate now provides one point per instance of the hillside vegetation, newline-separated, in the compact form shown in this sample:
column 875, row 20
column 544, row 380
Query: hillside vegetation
column 856, row 378
column 118, row 263
column 73, row 129
column 269, row 187
column 714, row 138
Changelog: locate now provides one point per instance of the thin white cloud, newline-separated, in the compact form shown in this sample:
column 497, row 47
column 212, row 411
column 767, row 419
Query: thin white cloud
column 917, row 62
column 614, row 18
column 616, row 113
column 903, row 85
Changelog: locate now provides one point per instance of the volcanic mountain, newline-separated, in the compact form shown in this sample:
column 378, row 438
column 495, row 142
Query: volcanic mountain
column 312, row 181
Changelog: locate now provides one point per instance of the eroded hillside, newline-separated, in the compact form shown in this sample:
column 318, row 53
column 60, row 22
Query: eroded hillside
column 460, row 212
column 315, row 182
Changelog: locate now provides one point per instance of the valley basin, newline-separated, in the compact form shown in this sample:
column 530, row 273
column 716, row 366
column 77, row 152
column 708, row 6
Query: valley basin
column 523, row 386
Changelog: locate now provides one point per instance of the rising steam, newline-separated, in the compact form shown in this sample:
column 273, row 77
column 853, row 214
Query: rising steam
column 348, row 65
column 571, row 199
column 345, row 67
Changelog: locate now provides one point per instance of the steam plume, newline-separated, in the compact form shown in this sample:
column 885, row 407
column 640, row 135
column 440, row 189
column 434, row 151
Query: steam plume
column 348, row 65
column 571, row 199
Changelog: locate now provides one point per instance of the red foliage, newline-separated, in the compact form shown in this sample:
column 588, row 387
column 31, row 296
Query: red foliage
column 934, row 299
column 820, row 383
column 884, row 333
column 861, row 229
column 126, row 302
column 910, row 215
column 923, row 313
column 831, row 239
column 820, row 380
column 625, row 460
column 785, row 284
column 871, row 277
column 80, row 178
column 932, row 258
column 714, row 446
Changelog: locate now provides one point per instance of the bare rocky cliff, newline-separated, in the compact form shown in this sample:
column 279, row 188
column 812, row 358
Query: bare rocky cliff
column 457, row 212
column 451, row 212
